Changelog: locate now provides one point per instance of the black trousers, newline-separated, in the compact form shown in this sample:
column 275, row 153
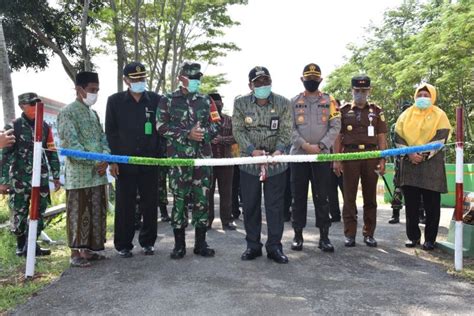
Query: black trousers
column 333, row 195
column 146, row 182
column 223, row 175
column 301, row 174
column 288, row 201
column 273, row 191
column 432, row 201
column 236, row 194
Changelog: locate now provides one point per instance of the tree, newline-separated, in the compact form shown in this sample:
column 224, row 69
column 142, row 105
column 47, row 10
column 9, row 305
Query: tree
column 6, row 90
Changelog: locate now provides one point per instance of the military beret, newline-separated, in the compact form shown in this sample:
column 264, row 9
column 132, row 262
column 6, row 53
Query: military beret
column 191, row 70
column 27, row 98
column 311, row 70
column 85, row 77
column 361, row 82
column 135, row 70
column 257, row 72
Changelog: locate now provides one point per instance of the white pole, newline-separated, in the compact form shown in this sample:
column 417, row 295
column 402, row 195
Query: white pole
column 458, row 242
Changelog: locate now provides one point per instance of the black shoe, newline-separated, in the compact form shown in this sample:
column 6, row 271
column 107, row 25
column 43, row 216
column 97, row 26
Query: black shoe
column 394, row 220
column 412, row 243
column 428, row 245
column 370, row 241
column 350, row 242
column 200, row 246
column 297, row 244
column 148, row 250
column 278, row 256
column 230, row 226
column 250, row 254
column 41, row 251
column 125, row 253
column 179, row 249
column 336, row 219
column 326, row 246
column 20, row 245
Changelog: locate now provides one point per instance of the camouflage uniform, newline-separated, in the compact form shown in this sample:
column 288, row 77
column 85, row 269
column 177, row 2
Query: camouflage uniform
column 177, row 115
column 17, row 168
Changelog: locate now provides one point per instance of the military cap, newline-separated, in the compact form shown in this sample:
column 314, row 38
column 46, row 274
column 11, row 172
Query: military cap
column 85, row 77
column 361, row 82
column 27, row 98
column 257, row 72
column 312, row 70
column 190, row 70
column 215, row 96
column 135, row 70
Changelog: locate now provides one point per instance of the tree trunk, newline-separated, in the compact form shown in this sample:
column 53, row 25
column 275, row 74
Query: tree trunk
column 136, row 29
column 120, row 45
column 6, row 90
column 85, row 52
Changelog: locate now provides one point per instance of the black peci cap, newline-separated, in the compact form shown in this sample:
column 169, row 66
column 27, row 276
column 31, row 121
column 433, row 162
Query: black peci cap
column 215, row 96
column 85, row 77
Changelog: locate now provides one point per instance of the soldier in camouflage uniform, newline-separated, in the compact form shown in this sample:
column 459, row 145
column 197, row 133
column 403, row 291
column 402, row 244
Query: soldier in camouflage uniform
column 17, row 168
column 183, row 118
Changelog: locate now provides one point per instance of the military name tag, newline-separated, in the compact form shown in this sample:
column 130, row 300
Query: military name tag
column 274, row 123
column 371, row 131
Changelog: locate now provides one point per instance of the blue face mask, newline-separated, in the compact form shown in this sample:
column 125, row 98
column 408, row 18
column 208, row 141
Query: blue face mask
column 262, row 92
column 138, row 87
column 193, row 85
column 423, row 103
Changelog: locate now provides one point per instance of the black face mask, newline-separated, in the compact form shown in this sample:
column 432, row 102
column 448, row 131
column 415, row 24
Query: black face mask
column 311, row 85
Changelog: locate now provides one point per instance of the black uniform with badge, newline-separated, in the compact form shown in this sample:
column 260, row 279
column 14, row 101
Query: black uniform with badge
column 129, row 125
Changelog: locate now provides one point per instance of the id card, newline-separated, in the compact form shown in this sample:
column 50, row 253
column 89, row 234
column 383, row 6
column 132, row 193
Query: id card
column 148, row 128
column 371, row 131
column 274, row 123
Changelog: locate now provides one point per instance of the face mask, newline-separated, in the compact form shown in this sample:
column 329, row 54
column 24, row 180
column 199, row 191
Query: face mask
column 423, row 103
column 360, row 97
column 193, row 85
column 90, row 99
column 311, row 85
column 30, row 112
column 262, row 92
column 138, row 87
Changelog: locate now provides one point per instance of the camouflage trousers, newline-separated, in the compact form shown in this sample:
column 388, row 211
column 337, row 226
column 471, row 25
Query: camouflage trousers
column 19, row 204
column 162, row 190
column 190, row 185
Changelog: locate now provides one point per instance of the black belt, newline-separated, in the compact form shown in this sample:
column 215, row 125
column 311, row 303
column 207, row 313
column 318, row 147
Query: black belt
column 361, row 146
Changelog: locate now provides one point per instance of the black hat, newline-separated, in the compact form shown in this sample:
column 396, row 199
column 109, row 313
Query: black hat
column 191, row 70
column 135, row 70
column 85, row 77
column 215, row 96
column 312, row 70
column 361, row 82
column 258, row 71
column 27, row 98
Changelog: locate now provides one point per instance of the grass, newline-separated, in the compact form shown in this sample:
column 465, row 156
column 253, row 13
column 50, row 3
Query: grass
column 14, row 289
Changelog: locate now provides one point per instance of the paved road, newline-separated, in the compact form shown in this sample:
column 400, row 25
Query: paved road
column 387, row 280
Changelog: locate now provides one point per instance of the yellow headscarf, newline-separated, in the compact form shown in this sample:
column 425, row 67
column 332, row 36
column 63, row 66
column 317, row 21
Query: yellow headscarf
column 418, row 127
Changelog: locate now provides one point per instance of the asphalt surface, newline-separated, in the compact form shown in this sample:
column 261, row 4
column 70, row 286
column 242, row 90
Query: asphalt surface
column 390, row 279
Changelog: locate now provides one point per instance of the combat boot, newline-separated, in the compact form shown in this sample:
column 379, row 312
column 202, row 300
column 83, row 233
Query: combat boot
column 200, row 246
column 395, row 217
column 179, row 249
column 298, row 240
column 20, row 245
column 324, row 242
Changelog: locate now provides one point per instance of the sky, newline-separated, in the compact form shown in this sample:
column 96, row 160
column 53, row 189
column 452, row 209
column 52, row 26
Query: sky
column 281, row 35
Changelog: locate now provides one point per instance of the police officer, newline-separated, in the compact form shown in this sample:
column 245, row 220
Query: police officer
column 316, row 124
column 184, row 119
column 363, row 129
column 129, row 124
column 262, row 126
column 16, row 171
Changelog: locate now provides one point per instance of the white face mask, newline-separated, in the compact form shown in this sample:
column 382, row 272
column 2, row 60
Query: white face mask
column 90, row 99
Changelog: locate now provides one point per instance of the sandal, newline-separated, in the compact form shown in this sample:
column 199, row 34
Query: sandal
column 79, row 262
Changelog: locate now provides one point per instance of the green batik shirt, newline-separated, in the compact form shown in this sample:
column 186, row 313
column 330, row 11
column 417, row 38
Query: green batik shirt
column 266, row 127
column 79, row 129
column 177, row 114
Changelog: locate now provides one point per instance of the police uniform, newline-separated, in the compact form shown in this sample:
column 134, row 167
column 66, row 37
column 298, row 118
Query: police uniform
column 129, row 126
column 262, row 127
column 359, row 132
column 17, row 169
column 316, row 121
column 178, row 113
